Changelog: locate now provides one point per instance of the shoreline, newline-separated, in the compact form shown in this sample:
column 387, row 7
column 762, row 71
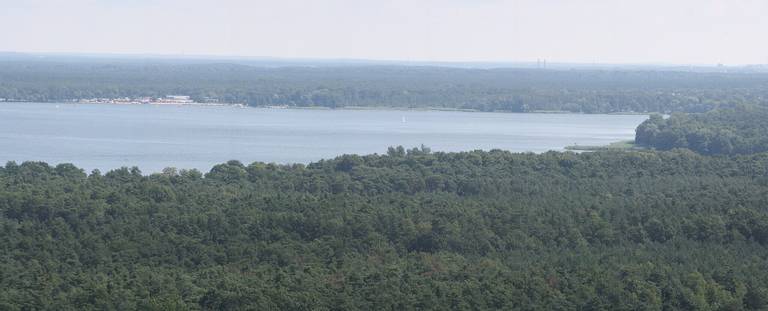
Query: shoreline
column 362, row 108
column 622, row 145
column 394, row 108
column 132, row 104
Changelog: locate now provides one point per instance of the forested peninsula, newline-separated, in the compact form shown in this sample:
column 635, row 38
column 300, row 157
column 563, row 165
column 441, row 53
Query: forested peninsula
column 740, row 130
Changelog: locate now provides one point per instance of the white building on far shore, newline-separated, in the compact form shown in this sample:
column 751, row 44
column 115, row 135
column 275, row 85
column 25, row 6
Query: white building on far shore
column 175, row 99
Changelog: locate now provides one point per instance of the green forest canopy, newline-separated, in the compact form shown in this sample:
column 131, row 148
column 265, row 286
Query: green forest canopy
column 411, row 229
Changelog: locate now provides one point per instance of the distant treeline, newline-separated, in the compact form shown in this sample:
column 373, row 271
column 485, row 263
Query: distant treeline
column 742, row 130
column 410, row 230
column 516, row 90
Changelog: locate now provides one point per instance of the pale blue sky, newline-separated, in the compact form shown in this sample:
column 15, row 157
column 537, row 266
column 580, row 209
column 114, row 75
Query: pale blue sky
column 605, row 31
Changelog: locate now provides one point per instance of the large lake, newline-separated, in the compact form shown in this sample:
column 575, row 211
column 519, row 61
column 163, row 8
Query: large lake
column 154, row 137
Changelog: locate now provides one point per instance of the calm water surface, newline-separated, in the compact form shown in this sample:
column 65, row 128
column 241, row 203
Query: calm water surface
column 154, row 137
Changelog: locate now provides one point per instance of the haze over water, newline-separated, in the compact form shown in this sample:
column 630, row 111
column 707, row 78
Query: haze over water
column 153, row 137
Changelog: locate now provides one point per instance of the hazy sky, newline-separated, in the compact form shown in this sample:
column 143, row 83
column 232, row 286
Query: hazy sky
column 605, row 31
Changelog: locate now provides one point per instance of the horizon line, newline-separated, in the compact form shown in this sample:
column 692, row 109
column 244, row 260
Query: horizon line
column 545, row 61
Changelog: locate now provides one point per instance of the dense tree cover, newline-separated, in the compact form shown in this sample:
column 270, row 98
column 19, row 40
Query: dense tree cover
column 741, row 130
column 406, row 230
column 518, row 90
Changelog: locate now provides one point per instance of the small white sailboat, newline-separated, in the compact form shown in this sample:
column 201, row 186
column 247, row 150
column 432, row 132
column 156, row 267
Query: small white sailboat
column 403, row 119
